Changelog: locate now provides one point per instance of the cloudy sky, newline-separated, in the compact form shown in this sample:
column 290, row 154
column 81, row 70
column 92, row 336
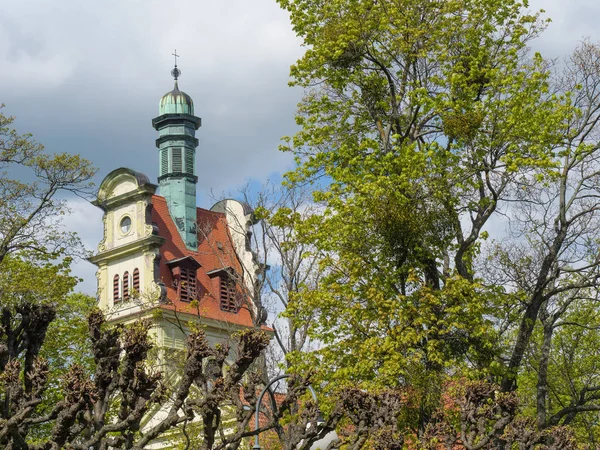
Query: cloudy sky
column 86, row 77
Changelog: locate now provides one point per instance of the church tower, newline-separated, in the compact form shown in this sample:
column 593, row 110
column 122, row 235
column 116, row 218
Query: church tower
column 152, row 255
column 176, row 125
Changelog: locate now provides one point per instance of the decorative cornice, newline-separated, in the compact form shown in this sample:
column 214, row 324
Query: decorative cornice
column 148, row 242
column 192, row 178
column 167, row 119
column 141, row 192
column 185, row 260
column 168, row 313
column 221, row 270
column 177, row 137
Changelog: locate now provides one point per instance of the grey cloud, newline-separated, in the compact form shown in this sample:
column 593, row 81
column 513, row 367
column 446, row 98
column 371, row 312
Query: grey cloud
column 109, row 65
column 570, row 23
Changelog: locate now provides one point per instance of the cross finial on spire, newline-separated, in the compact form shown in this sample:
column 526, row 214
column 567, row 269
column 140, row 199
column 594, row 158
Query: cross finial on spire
column 175, row 72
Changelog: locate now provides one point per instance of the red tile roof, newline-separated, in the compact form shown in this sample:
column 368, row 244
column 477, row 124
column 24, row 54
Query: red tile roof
column 215, row 251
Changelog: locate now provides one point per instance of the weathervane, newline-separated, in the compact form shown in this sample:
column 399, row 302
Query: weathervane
column 175, row 72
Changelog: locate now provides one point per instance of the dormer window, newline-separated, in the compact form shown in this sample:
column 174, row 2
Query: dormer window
column 187, row 285
column 230, row 298
column 184, row 273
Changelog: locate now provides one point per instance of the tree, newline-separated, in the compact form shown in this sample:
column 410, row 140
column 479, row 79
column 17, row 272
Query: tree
column 35, row 253
column 421, row 123
column 410, row 126
column 292, row 264
column 30, row 207
column 281, row 265
column 104, row 409
column 550, row 264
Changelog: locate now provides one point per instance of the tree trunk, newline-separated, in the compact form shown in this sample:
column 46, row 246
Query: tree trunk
column 542, row 384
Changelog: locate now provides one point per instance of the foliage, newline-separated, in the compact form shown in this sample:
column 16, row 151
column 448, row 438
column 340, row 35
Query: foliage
column 396, row 83
column 422, row 126
column 473, row 415
column 42, row 291
column 290, row 264
column 30, row 207
column 478, row 415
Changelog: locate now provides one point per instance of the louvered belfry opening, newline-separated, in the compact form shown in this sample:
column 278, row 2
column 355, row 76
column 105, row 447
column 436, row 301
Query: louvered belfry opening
column 116, row 296
column 164, row 162
column 176, row 164
column 126, row 286
column 229, row 297
column 189, row 160
column 136, row 281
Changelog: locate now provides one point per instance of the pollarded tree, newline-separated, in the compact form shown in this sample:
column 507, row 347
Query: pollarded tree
column 105, row 409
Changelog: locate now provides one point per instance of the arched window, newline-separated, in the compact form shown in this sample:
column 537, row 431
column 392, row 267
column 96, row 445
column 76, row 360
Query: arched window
column 126, row 286
column 136, row 281
column 116, row 296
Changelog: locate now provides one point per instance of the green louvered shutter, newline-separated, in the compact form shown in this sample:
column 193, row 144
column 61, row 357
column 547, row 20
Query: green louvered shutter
column 176, row 166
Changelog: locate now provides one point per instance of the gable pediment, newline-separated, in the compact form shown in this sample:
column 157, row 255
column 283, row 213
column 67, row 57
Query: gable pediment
column 122, row 184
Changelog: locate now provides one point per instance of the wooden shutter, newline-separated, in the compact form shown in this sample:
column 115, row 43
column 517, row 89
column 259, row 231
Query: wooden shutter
column 187, row 283
column 126, row 286
column 116, row 297
column 136, row 280
column 228, row 295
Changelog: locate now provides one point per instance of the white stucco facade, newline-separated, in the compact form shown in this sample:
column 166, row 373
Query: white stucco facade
column 128, row 243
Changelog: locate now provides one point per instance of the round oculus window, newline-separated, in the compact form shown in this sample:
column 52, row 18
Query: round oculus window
column 125, row 225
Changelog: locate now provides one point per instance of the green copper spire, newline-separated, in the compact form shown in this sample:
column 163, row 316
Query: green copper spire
column 176, row 126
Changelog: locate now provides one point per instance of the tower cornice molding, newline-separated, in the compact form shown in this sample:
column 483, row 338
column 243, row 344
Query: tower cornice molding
column 192, row 178
column 177, row 137
column 146, row 243
column 175, row 119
